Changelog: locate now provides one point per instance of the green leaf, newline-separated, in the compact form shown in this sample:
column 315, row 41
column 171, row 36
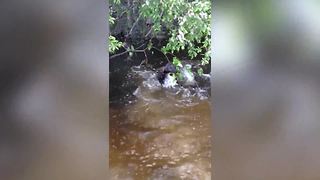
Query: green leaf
column 114, row 44
column 190, row 32
column 179, row 76
column 149, row 46
column 200, row 71
column 176, row 62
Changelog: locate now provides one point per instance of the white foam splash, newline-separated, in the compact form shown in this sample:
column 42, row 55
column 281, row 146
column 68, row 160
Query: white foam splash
column 170, row 81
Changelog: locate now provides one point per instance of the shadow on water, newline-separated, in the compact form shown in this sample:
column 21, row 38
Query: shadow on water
column 158, row 133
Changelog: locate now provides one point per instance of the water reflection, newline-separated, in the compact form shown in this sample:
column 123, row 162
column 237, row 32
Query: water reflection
column 162, row 134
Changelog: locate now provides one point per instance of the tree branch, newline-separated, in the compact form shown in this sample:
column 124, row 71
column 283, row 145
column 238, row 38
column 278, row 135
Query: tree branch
column 148, row 32
column 119, row 54
column 145, row 54
column 134, row 24
column 127, row 51
column 162, row 53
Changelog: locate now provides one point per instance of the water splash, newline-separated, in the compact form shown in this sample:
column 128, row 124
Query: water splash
column 164, row 134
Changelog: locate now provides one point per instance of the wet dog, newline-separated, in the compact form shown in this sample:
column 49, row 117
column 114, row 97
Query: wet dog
column 166, row 75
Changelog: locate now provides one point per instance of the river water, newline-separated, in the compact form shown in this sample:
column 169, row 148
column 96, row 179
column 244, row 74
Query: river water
column 160, row 133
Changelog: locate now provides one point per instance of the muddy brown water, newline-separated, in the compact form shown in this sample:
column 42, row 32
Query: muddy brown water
column 161, row 134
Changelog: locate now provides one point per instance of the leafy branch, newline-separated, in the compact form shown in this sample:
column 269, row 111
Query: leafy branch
column 186, row 22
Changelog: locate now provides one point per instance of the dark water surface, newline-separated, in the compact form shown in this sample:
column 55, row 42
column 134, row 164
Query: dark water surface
column 160, row 133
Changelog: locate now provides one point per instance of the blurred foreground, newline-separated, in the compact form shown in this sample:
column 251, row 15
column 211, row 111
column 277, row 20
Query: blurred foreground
column 53, row 90
column 266, row 67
